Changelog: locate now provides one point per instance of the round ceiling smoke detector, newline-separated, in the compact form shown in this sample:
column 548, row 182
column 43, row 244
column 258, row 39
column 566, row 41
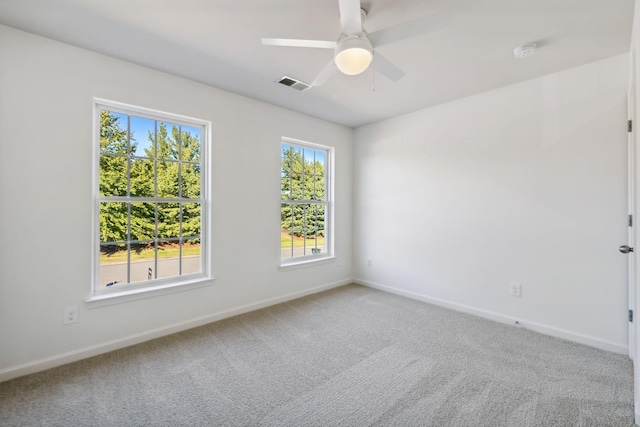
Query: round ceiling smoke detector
column 524, row 51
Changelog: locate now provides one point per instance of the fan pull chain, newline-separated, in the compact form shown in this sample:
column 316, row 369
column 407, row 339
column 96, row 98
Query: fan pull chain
column 333, row 82
column 373, row 80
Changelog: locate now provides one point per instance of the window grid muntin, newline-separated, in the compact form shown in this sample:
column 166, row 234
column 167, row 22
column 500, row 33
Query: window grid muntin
column 129, row 200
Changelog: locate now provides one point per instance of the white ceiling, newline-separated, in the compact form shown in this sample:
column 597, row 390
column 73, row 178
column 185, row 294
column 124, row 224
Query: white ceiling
column 217, row 42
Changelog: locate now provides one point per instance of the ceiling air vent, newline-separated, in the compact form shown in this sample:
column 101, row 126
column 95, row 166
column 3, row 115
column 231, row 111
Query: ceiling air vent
column 293, row 83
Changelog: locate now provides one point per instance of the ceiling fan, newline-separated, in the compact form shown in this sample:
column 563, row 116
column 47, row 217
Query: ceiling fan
column 354, row 50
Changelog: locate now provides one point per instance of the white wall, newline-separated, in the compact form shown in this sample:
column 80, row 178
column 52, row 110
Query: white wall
column 46, row 111
column 523, row 184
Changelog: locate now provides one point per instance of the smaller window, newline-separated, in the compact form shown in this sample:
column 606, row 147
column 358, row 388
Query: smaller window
column 305, row 202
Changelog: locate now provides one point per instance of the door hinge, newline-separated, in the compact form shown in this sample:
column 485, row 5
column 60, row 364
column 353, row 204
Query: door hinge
column 630, row 220
column 629, row 125
column 630, row 315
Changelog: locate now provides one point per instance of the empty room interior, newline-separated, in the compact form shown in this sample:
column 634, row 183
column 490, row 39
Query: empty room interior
column 320, row 212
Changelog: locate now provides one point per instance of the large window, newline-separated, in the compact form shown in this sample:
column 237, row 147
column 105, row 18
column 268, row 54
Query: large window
column 150, row 204
column 304, row 201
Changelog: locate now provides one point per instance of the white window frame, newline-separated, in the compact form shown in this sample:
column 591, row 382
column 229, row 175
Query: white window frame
column 133, row 291
column 328, row 255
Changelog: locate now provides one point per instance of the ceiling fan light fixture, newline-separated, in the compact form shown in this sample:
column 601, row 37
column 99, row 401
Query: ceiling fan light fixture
column 353, row 54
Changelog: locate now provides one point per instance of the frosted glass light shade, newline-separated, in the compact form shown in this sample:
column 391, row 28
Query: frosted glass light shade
column 353, row 55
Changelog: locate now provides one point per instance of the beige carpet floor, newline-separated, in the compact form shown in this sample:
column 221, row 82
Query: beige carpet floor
column 351, row 356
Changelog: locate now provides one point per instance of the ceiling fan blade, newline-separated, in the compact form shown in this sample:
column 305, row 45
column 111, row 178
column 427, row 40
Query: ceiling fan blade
column 322, row 44
column 409, row 29
column 350, row 18
column 386, row 68
column 324, row 74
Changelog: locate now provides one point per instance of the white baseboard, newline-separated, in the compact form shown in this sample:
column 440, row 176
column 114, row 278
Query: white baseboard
column 498, row 317
column 74, row 356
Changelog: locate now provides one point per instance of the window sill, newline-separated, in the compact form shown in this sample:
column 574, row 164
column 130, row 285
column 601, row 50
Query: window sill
column 309, row 262
column 134, row 294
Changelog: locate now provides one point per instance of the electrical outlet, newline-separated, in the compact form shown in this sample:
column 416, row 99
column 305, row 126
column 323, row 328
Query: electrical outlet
column 70, row 314
column 515, row 289
column 370, row 263
column 339, row 262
